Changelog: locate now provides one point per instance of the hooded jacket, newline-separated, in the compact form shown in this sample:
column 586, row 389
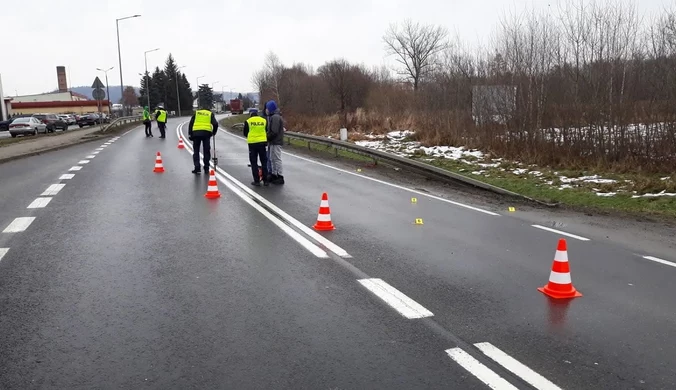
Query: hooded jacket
column 275, row 126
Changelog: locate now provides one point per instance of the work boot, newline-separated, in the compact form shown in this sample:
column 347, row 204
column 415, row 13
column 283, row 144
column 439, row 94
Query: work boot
column 279, row 180
column 272, row 177
column 256, row 183
column 196, row 171
column 266, row 183
column 206, row 170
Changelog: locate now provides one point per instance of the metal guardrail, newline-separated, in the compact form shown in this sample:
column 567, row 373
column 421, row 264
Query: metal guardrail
column 121, row 121
column 426, row 170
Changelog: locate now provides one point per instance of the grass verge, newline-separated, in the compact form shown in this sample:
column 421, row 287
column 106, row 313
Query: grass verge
column 582, row 198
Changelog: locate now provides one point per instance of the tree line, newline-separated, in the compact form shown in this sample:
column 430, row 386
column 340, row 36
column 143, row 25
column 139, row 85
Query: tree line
column 594, row 85
column 163, row 85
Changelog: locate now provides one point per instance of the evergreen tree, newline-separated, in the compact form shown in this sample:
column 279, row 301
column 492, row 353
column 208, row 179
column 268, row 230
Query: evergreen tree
column 158, row 90
column 143, row 98
column 186, row 94
column 171, row 74
column 206, row 96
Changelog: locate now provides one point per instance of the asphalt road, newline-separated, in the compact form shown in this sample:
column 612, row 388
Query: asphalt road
column 132, row 279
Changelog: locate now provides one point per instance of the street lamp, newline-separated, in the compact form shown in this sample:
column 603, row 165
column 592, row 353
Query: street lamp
column 105, row 71
column 145, row 57
column 198, row 89
column 119, row 55
column 178, row 94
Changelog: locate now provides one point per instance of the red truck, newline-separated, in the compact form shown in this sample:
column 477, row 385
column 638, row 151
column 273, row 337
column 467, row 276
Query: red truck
column 236, row 106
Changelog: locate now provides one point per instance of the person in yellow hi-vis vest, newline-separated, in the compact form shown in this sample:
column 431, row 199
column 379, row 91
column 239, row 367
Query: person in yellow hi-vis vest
column 202, row 127
column 161, row 118
column 147, row 121
column 256, row 137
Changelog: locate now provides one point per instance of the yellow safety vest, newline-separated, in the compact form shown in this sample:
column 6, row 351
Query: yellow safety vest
column 146, row 115
column 162, row 117
column 256, row 130
column 202, row 121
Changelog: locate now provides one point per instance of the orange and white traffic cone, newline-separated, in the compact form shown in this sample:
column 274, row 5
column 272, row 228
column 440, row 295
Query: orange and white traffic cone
column 324, row 217
column 181, row 145
column 560, row 285
column 212, row 188
column 159, row 168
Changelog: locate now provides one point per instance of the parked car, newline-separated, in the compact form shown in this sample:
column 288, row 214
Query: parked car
column 69, row 119
column 27, row 126
column 52, row 121
column 89, row 120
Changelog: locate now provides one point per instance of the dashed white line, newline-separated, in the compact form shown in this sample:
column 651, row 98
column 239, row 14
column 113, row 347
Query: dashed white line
column 75, row 168
column 661, row 261
column 67, row 176
column 395, row 298
column 83, row 162
column 533, row 378
column 98, row 149
column 96, row 152
column 53, row 189
column 560, row 232
column 104, row 146
column 39, row 203
column 384, row 182
column 91, row 156
column 480, row 371
column 19, row 225
column 3, row 252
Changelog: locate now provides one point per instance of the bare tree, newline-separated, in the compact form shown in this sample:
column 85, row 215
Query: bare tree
column 415, row 47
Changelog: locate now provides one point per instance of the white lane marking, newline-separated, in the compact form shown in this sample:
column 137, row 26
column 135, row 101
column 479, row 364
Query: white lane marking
column 314, row 249
column 83, row 162
column 395, row 298
column 91, row 156
column 476, row 368
column 383, row 182
column 53, row 189
column 67, row 176
column 3, row 252
column 19, row 224
column 533, row 378
column 658, row 260
column 98, row 149
column 309, row 232
column 39, row 203
column 104, row 145
column 125, row 133
column 96, row 152
column 75, row 168
column 560, row 232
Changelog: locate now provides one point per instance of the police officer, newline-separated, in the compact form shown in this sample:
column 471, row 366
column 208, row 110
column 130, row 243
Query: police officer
column 147, row 122
column 161, row 118
column 254, row 131
column 202, row 127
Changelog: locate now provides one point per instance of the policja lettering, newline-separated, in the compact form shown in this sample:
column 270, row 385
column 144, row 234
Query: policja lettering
column 202, row 127
column 256, row 137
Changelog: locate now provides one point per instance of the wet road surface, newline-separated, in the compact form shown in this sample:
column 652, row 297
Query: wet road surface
column 130, row 279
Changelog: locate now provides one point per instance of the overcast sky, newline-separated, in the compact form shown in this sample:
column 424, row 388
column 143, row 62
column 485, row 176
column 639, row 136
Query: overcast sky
column 223, row 40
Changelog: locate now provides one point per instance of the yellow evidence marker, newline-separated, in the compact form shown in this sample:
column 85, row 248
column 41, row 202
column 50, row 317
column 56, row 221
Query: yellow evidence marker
column 512, row 209
column 414, row 200
column 418, row 221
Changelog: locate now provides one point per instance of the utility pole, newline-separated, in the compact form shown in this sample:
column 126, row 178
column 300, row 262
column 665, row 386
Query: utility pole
column 119, row 53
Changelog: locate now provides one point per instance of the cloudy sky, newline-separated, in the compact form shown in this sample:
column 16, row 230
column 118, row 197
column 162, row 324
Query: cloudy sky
column 225, row 41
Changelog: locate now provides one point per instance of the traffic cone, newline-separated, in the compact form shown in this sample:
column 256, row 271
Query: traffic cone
column 180, row 143
column 212, row 188
column 560, row 285
column 324, row 217
column 159, row 168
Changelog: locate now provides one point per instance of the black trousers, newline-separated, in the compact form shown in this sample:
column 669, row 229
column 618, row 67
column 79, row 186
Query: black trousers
column 148, row 129
column 163, row 128
column 257, row 151
column 205, row 141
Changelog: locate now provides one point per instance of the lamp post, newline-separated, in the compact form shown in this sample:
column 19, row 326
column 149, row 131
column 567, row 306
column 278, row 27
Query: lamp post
column 178, row 94
column 105, row 71
column 119, row 55
column 198, row 89
column 145, row 57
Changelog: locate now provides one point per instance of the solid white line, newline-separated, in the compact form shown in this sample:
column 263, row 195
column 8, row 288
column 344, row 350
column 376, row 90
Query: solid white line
column 533, row 378
column 53, row 189
column 395, row 298
column 3, row 252
column 476, row 368
column 39, row 203
column 658, row 260
column 67, row 176
column 560, row 232
column 83, row 162
column 19, row 224
column 309, row 232
column 91, row 156
column 75, row 168
column 383, row 182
